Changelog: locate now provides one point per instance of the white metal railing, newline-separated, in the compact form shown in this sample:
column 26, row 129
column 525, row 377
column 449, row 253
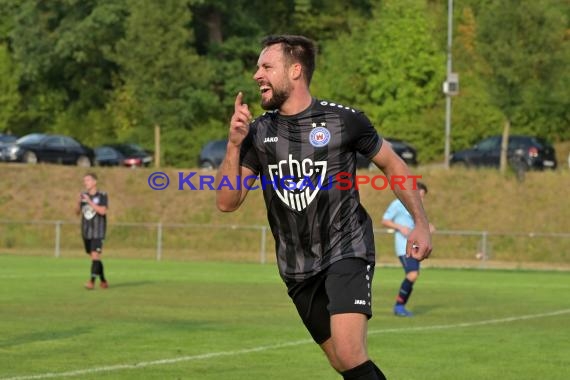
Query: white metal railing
column 159, row 227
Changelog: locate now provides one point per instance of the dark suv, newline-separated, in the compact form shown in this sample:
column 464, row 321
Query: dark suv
column 212, row 154
column 531, row 152
column 407, row 152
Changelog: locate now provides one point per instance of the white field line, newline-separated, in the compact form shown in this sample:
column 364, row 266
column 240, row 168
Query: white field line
column 470, row 324
column 119, row 367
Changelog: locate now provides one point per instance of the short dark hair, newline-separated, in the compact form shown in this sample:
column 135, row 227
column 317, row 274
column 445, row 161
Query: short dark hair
column 422, row 186
column 92, row 175
column 296, row 49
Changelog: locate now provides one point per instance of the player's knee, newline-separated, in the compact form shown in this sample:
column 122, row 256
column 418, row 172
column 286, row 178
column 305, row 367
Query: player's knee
column 95, row 255
column 413, row 276
column 328, row 349
column 335, row 363
column 349, row 356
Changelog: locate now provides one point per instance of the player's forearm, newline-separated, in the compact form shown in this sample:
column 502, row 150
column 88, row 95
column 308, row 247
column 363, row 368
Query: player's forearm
column 411, row 199
column 228, row 198
column 101, row 210
column 407, row 192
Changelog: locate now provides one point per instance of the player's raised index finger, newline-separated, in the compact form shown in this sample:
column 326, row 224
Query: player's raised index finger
column 239, row 100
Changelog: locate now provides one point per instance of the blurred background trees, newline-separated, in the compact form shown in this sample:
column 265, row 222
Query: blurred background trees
column 111, row 70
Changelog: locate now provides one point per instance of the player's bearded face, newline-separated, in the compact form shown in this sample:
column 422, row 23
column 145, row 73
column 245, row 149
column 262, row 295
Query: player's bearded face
column 277, row 95
column 272, row 78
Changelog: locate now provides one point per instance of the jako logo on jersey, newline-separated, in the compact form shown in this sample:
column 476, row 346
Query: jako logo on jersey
column 359, row 302
column 319, row 137
column 297, row 195
column 270, row 139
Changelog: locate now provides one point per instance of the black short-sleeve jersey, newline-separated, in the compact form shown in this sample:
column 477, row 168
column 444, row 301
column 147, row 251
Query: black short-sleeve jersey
column 93, row 225
column 315, row 219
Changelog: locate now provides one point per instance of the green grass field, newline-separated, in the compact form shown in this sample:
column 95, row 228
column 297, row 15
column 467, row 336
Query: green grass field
column 200, row 320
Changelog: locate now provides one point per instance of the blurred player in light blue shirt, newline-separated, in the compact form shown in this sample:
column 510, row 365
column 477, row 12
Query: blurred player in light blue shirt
column 399, row 219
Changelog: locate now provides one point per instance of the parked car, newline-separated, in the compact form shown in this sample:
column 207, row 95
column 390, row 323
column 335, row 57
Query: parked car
column 213, row 153
column 529, row 151
column 40, row 147
column 6, row 139
column 130, row 155
column 407, row 152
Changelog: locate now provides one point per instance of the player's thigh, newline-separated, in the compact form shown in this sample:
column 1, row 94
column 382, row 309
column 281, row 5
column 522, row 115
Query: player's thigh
column 348, row 337
column 87, row 246
column 95, row 248
column 311, row 301
column 349, row 287
column 349, row 329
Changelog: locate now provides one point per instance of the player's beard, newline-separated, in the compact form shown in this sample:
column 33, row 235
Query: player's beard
column 279, row 97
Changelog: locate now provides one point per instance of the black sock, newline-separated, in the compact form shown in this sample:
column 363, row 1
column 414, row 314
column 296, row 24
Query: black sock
column 378, row 372
column 97, row 270
column 364, row 371
column 101, row 272
column 94, row 271
column 405, row 292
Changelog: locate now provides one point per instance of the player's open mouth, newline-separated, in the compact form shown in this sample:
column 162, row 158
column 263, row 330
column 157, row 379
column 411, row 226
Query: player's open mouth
column 264, row 89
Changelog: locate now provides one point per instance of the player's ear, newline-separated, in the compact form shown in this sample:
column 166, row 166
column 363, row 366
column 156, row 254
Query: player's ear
column 296, row 70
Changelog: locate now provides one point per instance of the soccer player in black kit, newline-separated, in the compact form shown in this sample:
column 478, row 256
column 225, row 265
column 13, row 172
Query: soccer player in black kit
column 323, row 236
column 92, row 206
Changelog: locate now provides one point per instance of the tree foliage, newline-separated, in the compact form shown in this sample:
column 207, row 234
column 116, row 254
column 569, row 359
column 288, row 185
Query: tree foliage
column 391, row 68
column 474, row 115
column 523, row 46
column 164, row 81
column 110, row 70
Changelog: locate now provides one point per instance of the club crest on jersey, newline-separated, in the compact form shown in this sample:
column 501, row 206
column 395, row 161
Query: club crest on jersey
column 297, row 183
column 319, row 137
column 88, row 212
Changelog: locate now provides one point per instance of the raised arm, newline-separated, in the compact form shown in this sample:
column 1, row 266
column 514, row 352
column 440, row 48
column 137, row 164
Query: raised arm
column 419, row 239
column 229, row 198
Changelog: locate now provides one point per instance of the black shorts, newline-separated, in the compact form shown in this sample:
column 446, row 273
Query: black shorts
column 344, row 287
column 409, row 264
column 93, row 245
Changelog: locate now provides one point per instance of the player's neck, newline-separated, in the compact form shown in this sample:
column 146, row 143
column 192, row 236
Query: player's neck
column 298, row 101
column 92, row 191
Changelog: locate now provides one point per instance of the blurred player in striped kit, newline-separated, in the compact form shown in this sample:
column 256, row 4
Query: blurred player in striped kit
column 92, row 206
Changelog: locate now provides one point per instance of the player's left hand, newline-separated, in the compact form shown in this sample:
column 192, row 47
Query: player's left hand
column 419, row 245
column 85, row 198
